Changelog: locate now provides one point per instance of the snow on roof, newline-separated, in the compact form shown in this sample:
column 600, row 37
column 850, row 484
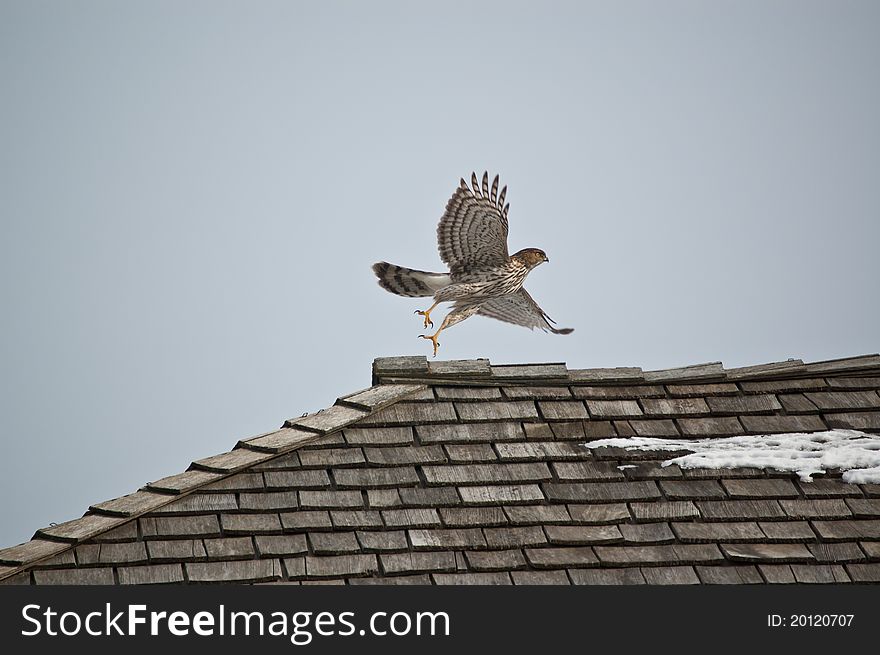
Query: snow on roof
column 855, row 453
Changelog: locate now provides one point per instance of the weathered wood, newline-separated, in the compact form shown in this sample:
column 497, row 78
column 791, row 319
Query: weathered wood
column 226, row 548
column 530, row 372
column 548, row 577
column 515, row 537
column 341, row 565
column 177, row 550
column 601, row 492
column 132, row 504
column 609, row 375
column 183, row 482
column 496, row 560
column 454, row 474
column 613, row 408
column 792, row 366
column 389, row 436
column 470, row 433
column 130, row 552
column 405, row 563
column 325, row 457
column 360, row 478
column 537, row 514
column 819, row 573
column 83, row 576
column 694, row 532
column 411, row 413
column 500, row 494
column 497, row 410
column 302, row 479
column 205, row 525
column 709, row 371
column 280, row 441
column 545, row 392
column 674, row 406
column 848, row 364
column 855, row 420
column 848, row 529
column 470, row 368
column 198, row 504
column 428, row 496
column 769, row 552
column 281, row 545
column 250, row 523
column 398, row 456
column 80, row 529
column 787, row 531
column 664, row 510
column 379, row 396
column 384, row 540
column 670, row 575
column 383, row 366
column 232, row 461
column 562, row 410
column 563, row 557
column 624, row 576
column 332, row 499
column 328, row 420
column 235, row 571
column 477, row 579
column 774, row 488
column 700, row 390
column 599, row 514
column 646, row 533
column 470, row 517
column 457, row 539
column 741, row 574
column 152, row 574
column 244, row 481
column 411, row 517
column 347, row 519
column 843, row 400
column 583, row 535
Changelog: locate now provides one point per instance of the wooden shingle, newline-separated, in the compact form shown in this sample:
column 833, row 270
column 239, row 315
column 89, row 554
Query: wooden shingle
column 407, row 563
column 152, row 574
column 466, row 473
column 255, row 570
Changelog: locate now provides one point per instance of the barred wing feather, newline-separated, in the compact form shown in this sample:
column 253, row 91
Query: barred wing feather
column 520, row 309
column 472, row 232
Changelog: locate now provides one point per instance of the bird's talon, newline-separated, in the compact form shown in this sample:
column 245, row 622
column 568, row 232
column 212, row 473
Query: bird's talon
column 427, row 314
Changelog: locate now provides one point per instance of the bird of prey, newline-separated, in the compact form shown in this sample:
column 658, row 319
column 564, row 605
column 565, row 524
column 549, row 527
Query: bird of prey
column 483, row 278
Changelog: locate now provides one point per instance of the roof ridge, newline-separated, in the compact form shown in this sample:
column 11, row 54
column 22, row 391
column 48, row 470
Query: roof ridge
column 396, row 370
column 101, row 517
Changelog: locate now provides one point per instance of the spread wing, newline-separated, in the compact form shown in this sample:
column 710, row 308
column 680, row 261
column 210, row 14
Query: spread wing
column 520, row 309
column 473, row 230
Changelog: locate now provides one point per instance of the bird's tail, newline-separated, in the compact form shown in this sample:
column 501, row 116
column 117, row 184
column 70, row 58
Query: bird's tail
column 409, row 282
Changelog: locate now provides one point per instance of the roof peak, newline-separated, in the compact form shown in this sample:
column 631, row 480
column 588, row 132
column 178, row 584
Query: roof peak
column 390, row 370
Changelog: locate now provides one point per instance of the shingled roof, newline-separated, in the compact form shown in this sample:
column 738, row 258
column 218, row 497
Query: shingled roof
column 461, row 472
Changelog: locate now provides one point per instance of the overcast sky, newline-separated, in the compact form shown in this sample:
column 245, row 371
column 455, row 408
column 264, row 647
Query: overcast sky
column 193, row 193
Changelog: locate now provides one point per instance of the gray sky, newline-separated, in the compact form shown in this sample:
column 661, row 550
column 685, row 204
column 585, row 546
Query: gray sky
column 193, row 193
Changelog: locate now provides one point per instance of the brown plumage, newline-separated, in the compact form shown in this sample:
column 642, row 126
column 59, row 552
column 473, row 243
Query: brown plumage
column 483, row 278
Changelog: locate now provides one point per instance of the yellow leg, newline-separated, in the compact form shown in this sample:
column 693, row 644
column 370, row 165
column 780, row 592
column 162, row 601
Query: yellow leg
column 427, row 315
column 433, row 339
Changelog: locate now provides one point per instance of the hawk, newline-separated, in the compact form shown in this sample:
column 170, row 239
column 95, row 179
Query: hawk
column 483, row 278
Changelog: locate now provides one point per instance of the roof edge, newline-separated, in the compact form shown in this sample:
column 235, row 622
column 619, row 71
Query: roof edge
column 417, row 369
column 54, row 540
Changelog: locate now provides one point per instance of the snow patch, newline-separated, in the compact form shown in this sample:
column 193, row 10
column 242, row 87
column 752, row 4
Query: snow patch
column 855, row 453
